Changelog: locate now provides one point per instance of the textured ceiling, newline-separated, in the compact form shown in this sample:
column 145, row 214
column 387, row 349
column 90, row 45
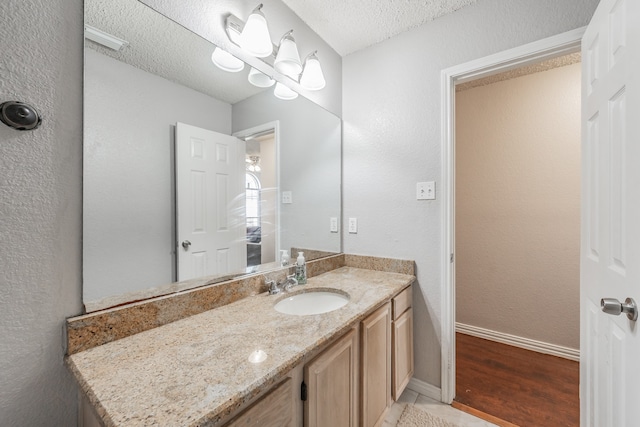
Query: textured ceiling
column 351, row 25
column 161, row 47
column 549, row 64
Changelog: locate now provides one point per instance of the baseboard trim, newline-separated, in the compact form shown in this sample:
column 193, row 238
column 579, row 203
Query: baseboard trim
column 526, row 343
column 483, row 415
column 425, row 389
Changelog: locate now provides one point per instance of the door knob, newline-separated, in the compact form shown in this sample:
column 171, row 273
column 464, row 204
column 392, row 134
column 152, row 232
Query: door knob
column 186, row 244
column 615, row 307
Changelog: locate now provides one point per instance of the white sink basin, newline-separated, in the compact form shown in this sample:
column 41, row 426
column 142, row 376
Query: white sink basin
column 312, row 302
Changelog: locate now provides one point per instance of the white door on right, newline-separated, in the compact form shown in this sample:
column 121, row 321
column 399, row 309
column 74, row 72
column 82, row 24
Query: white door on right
column 610, row 225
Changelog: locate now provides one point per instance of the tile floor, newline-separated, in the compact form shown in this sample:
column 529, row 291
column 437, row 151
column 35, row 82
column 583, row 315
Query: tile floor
column 434, row 407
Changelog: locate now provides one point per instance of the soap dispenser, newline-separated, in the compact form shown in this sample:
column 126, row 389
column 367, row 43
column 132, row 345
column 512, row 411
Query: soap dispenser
column 301, row 269
column 284, row 257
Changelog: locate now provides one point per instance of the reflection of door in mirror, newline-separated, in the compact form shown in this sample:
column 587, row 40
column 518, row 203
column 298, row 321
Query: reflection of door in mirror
column 210, row 215
column 261, row 196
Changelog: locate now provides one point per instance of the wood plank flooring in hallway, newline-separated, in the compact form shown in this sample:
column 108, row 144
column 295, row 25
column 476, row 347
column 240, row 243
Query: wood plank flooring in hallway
column 520, row 386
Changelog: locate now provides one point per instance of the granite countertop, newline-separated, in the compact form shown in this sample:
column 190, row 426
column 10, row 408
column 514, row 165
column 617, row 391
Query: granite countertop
column 196, row 372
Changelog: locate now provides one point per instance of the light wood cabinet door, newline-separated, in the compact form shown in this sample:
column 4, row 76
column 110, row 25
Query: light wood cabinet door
column 376, row 366
column 331, row 380
column 275, row 409
column 402, row 352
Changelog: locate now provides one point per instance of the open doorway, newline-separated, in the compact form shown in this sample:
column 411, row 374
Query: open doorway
column 552, row 47
column 261, row 193
column 517, row 242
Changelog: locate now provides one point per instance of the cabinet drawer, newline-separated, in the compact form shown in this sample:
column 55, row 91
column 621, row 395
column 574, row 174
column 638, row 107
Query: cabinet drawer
column 402, row 302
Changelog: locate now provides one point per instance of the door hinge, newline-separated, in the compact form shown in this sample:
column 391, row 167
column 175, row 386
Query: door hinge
column 303, row 392
column 451, row 259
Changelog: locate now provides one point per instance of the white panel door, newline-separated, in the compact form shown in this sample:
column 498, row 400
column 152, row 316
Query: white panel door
column 610, row 226
column 210, row 211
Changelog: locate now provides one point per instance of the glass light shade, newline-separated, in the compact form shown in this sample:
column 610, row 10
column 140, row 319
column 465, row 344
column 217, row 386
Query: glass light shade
column 253, row 163
column 255, row 38
column 259, row 79
column 225, row 61
column 283, row 92
column 288, row 60
column 312, row 77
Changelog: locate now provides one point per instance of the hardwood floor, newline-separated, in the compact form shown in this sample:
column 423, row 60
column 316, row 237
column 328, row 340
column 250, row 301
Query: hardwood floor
column 522, row 387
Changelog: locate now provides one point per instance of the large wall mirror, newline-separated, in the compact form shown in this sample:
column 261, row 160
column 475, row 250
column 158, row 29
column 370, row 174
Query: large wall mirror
column 190, row 172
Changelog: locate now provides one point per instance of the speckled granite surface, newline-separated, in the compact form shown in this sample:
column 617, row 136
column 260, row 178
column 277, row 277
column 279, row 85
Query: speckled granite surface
column 380, row 264
column 94, row 329
column 195, row 371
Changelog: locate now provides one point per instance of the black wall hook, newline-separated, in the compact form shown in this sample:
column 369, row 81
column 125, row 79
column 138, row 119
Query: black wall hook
column 19, row 115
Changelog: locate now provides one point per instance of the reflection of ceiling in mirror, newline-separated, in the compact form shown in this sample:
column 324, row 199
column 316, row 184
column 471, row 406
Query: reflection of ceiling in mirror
column 164, row 48
column 253, row 148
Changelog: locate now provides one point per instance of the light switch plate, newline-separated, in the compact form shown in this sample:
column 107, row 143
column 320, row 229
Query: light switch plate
column 353, row 225
column 287, row 197
column 333, row 224
column 426, row 190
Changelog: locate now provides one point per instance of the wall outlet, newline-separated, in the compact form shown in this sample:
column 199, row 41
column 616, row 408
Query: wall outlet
column 333, row 224
column 353, row 225
column 426, row 190
column 287, row 197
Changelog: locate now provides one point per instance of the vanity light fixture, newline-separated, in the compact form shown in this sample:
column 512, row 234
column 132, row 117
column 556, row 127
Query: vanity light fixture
column 103, row 38
column 259, row 79
column 312, row 77
column 255, row 38
column 253, row 163
column 284, row 92
column 288, row 59
column 225, row 61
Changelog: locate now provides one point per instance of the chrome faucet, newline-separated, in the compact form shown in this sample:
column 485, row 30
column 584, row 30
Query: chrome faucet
column 289, row 283
column 276, row 288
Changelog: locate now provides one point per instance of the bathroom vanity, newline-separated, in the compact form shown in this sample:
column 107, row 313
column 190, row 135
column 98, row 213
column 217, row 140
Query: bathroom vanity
column 244, row 363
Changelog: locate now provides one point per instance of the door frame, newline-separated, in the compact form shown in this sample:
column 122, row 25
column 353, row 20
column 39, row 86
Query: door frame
column 548, row 48
column 262, row 128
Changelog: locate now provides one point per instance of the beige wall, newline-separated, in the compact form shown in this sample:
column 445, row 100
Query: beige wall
column 518, row 206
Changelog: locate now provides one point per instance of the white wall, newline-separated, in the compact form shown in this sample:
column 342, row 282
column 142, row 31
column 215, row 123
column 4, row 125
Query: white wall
column 206, row 18
column 518, row 206
column 40, row 207
column 310, row 165
column 128, row 192
column 391, row 114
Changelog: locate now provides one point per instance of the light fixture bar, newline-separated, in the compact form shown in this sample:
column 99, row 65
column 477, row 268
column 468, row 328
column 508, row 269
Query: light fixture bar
column 234, row 26
column 103, row 38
